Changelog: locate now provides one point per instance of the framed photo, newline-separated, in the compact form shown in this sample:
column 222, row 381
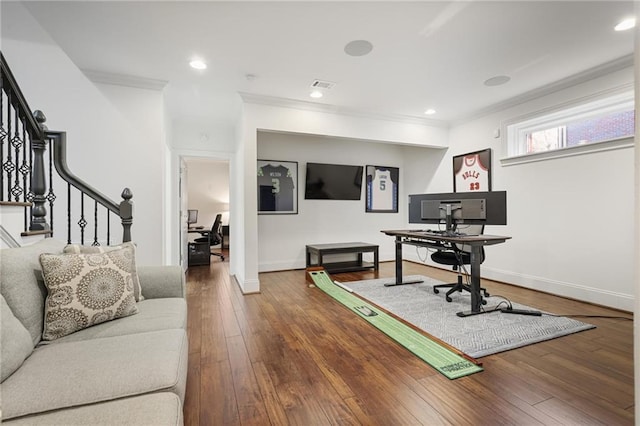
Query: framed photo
column 382, row 189
column 277, row 187
column 472, row 171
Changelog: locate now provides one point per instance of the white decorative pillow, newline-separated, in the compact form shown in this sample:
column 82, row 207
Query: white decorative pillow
column 80, row 249
column 85, row 290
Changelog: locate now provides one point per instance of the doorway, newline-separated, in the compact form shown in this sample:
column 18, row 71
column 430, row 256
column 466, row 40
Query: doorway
column 204, row 189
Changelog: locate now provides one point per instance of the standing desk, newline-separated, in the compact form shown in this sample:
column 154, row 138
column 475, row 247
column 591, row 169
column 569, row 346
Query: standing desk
column 436, row 240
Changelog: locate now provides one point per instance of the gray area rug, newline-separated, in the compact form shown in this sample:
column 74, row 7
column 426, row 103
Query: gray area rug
column 477, row 335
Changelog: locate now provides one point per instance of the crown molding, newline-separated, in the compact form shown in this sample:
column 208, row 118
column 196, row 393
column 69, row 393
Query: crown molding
column 124, row 80
column 252, row 98
column 581, row 77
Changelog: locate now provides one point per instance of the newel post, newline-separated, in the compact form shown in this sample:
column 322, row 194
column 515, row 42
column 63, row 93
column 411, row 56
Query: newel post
column 38, row 178
column 126, row 214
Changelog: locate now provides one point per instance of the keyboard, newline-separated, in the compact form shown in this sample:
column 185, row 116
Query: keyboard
column 433, row 231
column 443, row 232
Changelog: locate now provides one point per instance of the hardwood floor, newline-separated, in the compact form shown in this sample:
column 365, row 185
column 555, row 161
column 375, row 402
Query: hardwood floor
column 292, row 355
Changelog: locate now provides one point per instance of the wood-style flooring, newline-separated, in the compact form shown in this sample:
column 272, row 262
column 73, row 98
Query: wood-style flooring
column 292, row 355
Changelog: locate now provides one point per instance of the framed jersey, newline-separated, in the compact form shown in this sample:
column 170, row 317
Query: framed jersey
column 382, row 189
column 472, row 171
column 277, row 187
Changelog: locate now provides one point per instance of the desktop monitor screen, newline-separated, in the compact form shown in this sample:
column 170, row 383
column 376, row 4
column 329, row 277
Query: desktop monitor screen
column 192, row 216
column 482, row 208
column 472, row 209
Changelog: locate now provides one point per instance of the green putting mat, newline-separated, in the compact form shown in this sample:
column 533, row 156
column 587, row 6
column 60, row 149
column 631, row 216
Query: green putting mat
column 447, row 362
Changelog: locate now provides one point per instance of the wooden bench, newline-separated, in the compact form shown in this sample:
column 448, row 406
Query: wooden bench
column 321, row 250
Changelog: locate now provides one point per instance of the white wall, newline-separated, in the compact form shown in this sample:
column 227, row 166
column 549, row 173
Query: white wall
column 257, row 118
column 115, row 135
column 202, row 135
column 549, row 210
column 205, row 140
column 636, row 320
column 567, row 238
column 570, row 218
column 282, row 238
column 144, row 163
column 208, row 190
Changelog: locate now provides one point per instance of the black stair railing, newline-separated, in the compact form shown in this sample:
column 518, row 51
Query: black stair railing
column 30, row 154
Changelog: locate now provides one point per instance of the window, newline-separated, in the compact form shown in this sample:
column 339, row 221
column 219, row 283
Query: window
column 605, row 123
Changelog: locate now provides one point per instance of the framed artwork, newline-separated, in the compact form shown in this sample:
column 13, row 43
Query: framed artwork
column 277, row 187
column 382, row 189
column 472, row 171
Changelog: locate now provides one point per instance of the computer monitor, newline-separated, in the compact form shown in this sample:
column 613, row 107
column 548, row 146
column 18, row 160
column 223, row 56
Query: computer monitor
column 192, row 216
column 455, row 208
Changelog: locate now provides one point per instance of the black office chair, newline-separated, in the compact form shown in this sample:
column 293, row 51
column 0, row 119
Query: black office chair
column 213, row 237
column 457, row 256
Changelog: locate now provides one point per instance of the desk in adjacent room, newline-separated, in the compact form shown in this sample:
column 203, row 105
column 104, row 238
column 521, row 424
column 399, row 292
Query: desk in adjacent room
column 431, row 240
column 198, row 253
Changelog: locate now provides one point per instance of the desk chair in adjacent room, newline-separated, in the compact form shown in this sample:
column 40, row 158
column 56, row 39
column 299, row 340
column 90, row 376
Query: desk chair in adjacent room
column 458, row 255
column 213, row 237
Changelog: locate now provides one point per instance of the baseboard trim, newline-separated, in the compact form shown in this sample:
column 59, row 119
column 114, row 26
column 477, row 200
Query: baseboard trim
column 280, row 266
column 595, row 296
column 570, row 290
column 247, row 286
column 7, row 238
column 579, row 292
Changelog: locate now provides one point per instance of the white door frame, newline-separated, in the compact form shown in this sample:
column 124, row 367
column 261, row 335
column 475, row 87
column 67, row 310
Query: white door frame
column 178, row 156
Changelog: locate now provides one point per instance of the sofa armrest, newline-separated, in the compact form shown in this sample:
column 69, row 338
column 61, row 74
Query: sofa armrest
column 159, row 282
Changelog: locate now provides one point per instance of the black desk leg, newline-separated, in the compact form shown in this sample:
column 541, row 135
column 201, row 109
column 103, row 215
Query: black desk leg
column 476, row 296
column 399, row 266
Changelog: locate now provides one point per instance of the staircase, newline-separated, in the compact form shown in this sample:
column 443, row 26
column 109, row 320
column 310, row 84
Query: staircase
column 32, row 195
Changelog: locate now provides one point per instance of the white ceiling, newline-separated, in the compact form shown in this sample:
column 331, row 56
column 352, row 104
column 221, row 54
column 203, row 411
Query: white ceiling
column 426, row 54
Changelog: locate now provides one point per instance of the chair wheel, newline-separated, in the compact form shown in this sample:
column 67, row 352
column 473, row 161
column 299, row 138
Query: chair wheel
column 436, row 291
column 484, row 302
column 448, row 299
column 486, row 294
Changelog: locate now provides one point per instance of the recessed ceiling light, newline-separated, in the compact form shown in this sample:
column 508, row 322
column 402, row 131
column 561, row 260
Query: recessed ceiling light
column 198, row 64
column 497, row 80
column 430, row 111
column 626, row 24
column 358, row 48
column 316, row 94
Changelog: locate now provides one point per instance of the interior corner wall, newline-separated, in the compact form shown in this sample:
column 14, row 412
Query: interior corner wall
column 169, row 240
column 244, row 246
column 569, row 218
column 106, row 148
column 282, row 238
column 373, row 133
column 636, row 319
column 144, row 136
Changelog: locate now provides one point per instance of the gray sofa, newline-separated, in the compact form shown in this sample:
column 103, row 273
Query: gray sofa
column 130, row 370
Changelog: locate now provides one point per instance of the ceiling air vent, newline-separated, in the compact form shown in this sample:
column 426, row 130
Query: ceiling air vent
column 321, row 84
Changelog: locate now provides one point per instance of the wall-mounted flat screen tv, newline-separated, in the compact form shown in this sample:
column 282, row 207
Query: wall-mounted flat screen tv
column 333, row 182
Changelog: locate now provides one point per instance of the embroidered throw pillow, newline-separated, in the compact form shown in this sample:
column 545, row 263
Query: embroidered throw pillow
column 80, row 249
column 85, row 290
